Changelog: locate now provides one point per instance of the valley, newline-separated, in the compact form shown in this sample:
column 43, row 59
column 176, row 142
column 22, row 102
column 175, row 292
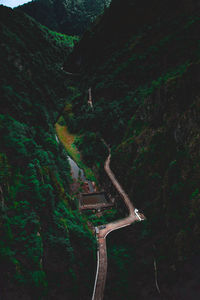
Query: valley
column 102, row 230
column 93, row 124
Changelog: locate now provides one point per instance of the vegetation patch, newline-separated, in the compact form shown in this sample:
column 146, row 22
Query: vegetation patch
column 68, row 140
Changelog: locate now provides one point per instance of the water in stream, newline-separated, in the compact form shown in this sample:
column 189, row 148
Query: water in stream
column 78, row 173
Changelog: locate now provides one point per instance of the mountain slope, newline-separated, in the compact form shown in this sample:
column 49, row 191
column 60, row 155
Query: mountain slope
column 45, row 244
column 144, row 73
column 66, row 16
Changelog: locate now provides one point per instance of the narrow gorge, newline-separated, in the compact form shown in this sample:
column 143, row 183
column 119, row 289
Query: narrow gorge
column 81, row 218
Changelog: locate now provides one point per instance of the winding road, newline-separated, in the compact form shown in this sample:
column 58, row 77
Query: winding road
column 103, row 230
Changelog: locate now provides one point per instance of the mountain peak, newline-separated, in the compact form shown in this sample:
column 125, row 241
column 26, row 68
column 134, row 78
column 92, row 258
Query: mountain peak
column 66, row 16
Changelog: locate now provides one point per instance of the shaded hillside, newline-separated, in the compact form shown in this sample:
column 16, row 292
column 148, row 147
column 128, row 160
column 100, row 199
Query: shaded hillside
column 66, row 16
column 144, row 73
column 45, row 244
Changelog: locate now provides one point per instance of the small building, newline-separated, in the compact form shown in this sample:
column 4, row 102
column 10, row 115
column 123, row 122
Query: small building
column 94, row 201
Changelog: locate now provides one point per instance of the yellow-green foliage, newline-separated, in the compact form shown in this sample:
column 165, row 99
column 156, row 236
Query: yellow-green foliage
column 68, row 140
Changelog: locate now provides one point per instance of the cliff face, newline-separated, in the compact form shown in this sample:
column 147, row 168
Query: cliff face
column 142, row 61
column 66, row 16
column 44, row 241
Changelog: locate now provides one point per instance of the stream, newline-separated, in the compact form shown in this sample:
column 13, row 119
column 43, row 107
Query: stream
column 78, row 173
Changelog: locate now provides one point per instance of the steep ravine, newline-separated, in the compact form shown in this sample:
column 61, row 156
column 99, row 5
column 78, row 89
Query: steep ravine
column 142, row 61
column 102, row 230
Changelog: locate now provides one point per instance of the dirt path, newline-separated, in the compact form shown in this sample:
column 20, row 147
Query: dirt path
column 101, row 273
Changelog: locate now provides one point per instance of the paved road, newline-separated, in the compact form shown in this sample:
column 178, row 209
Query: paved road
column 101, row 273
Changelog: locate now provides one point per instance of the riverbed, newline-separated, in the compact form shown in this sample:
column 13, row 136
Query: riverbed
column 78, row 174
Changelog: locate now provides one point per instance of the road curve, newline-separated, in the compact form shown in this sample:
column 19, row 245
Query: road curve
column 101, row 272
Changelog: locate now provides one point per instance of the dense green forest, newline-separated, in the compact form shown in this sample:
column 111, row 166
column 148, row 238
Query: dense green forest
column 66, row 16
column 144, row 73
column 45, row 245
column 141, row 59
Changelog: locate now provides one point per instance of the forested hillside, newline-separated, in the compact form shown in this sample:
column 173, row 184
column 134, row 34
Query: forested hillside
column 66, row 16
column 142, row 61
column 46, row 247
